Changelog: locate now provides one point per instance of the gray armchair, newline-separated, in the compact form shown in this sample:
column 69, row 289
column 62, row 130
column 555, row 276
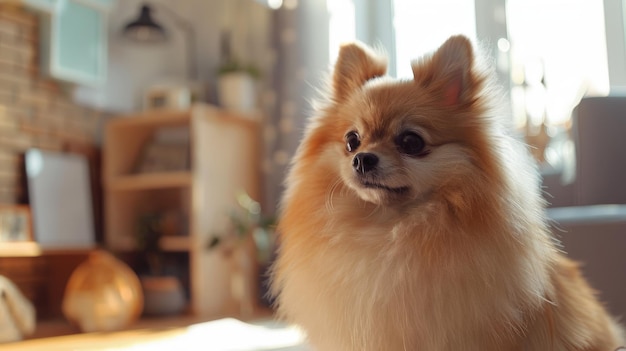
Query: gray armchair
column 590, row 214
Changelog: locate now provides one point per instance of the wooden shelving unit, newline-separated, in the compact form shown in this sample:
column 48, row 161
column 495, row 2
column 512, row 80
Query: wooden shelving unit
column 151, row 181
column 224, row 152
column 130, row 194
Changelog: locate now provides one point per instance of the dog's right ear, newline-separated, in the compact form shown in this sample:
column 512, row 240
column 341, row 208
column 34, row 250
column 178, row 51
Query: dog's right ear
column 355, row 65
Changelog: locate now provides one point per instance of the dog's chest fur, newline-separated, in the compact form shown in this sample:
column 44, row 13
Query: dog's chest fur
column 418, row 299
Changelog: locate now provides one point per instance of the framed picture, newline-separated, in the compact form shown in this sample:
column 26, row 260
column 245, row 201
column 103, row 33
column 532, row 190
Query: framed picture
column 15, row 223
column 172, row 96
column 167, row 98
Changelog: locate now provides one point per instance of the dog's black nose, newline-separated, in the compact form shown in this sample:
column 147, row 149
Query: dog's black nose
column 364, row 162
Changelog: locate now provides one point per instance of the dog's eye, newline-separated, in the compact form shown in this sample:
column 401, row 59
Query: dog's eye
column 410, row 143
column 352, row 141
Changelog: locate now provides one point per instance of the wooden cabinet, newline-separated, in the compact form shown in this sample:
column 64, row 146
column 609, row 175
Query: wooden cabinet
column 42, row 277
column 224, row 160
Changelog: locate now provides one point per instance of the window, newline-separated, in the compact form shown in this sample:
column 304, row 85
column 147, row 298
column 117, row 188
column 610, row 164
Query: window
column 551, row 52
column 558, row 43
column 558, row 55
column 421, row 26
column 342, row 27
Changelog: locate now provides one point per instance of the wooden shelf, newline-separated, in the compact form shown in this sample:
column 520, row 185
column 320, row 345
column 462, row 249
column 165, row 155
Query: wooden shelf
column 161, row 118
column 226, row 117
column 175, row 243
column 158, row 118
column 223, row 149
column 164, row 180
column 20, row 249
column 180, row 243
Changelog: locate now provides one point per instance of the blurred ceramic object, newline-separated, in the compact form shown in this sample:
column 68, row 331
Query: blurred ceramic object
column 163, row 295
column 102, row 294
column 17, row 314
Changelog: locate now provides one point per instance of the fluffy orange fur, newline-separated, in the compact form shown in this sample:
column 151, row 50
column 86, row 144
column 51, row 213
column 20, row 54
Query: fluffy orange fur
column 440, row 247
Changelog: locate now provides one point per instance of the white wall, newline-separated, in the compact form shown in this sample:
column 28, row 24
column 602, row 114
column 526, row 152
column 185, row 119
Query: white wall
column 132, row 67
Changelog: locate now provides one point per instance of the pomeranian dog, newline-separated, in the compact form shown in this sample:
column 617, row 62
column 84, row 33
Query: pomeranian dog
column 412, row 220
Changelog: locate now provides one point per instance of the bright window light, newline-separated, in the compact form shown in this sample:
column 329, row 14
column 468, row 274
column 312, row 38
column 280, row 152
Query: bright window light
column 422, row 25
column 558, row 55
column 220, row 335
column 275, row 4
column 342, row 28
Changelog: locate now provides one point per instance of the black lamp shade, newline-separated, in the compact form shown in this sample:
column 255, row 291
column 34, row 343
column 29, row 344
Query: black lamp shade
column 144, row 28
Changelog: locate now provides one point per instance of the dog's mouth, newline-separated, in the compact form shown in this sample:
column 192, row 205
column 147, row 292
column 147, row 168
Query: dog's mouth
column 395, row 190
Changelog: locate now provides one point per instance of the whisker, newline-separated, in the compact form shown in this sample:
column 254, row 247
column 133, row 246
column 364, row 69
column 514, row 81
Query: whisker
column 330, row 207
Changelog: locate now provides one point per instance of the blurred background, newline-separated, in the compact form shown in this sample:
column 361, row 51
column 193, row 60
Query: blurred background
column 144, row 144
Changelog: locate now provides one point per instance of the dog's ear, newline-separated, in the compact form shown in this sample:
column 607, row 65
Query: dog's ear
column 355, row 65
column 449, row 70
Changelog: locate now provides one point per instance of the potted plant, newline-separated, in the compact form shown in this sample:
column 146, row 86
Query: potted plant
column 236, row 84
column 247, row 223
column 248, row 246
column 163, row 292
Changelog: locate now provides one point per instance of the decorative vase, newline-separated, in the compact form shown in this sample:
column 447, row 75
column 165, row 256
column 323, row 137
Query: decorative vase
column 237, row 91
column 163, row 295
column 102, row 294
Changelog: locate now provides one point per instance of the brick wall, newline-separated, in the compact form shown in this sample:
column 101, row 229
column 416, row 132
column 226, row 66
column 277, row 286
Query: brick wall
column 35, row 111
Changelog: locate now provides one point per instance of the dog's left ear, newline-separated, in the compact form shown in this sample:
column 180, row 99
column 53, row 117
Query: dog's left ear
column 355, row 65
column 449, row 70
